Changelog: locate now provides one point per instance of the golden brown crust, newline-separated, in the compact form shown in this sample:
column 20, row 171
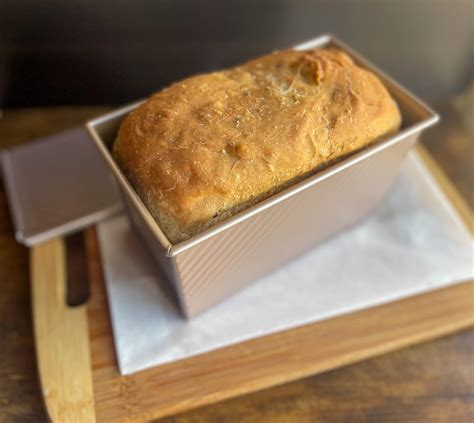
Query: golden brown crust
column 212, row 144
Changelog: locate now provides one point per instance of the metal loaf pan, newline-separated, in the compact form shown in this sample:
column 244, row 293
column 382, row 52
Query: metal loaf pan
column 228, row 256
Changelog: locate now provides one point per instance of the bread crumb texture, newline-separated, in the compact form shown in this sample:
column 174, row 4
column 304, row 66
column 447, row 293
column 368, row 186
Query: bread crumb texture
column 210, row 145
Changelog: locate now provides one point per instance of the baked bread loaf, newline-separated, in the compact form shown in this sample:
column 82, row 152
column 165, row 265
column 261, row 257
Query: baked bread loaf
column 211, row 145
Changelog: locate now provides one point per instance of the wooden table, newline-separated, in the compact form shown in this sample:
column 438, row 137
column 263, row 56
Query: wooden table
column 430, row 382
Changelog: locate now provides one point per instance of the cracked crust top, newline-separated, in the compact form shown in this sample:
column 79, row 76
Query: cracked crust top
column 211, row 145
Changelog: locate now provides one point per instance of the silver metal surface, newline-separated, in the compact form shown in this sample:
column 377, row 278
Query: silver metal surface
column 57, row 185
column 228, row 256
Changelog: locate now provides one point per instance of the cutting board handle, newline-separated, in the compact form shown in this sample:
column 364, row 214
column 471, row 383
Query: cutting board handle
column 62, row 338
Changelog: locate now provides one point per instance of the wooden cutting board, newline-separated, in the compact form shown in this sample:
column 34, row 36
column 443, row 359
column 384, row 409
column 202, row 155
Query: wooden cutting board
column 79, row 373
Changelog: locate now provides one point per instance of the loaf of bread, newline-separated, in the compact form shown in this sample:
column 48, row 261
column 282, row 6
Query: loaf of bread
column 211, row 145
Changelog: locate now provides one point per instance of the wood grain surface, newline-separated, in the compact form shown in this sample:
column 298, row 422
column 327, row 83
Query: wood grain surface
column 429, row 382
column 266, row 361
column 61, row 337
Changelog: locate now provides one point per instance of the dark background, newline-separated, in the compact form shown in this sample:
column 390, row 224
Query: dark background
column 99, row 52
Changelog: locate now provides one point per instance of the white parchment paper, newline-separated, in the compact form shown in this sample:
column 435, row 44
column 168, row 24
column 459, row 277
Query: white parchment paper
column 414, row 242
